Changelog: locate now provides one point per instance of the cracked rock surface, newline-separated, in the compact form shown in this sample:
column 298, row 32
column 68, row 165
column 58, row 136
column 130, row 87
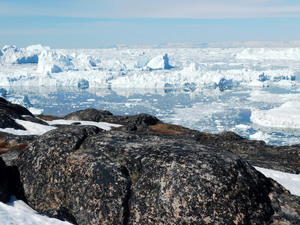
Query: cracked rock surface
column 88, row 176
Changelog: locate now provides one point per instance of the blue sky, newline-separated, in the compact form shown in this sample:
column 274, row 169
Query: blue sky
column 100, row 23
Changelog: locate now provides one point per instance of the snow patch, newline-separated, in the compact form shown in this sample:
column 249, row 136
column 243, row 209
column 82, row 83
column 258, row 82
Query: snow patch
column 101, row 125
column 40, row 129
column 17, row 212
column 290, row 181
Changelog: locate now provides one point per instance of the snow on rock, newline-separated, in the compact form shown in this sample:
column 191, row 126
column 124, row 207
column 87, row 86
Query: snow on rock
column 285, row 116
column 290, row 181
column 159, row 62
column 101, row 125
column 39, row 129
column 17, row 212
column 53, row 62
column 269, row 54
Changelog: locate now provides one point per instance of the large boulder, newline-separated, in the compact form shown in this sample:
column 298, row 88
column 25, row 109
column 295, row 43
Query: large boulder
column 87, row 176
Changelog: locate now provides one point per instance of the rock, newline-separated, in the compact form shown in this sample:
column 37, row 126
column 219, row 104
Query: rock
column 9, row 183
column 88, row 176
column 9, row 112
column 11, row 145
column 282, row 158
column 4, row 184
column 90, row 114
column 7, row 122
column 139, row 122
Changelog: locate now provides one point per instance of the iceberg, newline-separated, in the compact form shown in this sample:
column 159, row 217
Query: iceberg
column 285, row 116
column 10, row 54
column 53, row 62
column 147, row 68
column 159, row 62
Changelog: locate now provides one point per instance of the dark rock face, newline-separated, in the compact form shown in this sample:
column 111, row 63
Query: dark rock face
column 13, row 110
column 9, row 183
column 9, row 112
column 4, row 183
column 88, row 176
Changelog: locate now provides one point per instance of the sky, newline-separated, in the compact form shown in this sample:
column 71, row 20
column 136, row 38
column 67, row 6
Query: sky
column 103, row 23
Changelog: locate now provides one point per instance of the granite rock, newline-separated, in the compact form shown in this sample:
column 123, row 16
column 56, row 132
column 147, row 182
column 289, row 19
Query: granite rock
column 88, row 176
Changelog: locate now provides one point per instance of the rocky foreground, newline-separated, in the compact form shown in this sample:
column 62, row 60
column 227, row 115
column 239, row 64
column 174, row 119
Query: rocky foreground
column 145, row 172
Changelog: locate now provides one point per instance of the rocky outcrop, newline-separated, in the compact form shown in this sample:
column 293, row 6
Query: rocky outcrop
column 90, row 114
column 9, row 112
column 87, row 176
column 139, row 122
column 282, row 158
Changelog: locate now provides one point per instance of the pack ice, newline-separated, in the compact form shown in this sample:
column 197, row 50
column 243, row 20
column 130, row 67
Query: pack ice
column 184, row 68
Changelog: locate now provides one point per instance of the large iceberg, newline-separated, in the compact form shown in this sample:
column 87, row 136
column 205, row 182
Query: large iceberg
column 159, row 62
column 10, row 54
column 285, row 116
column 53, row 62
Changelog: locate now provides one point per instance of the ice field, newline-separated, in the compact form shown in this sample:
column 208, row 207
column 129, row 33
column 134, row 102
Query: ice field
column 252, row 91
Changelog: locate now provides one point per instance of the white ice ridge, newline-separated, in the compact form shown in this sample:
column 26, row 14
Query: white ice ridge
column 285, row 116
column 39, row 129
column 152, row 68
